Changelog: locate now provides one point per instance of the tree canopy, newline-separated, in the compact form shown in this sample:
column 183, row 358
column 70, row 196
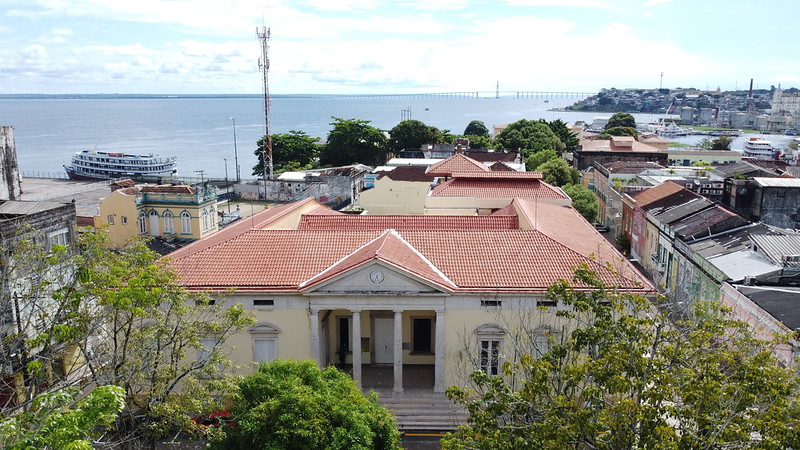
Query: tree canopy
column 618, row 373
column 293, row 150
column 121, row 318
column 558, row 172
column 718, row 143
column 527, row 137
column 476, row 128
column 621, row 119
column 295, row 405
column 57, row 421
column 567, row 136
column 619, row 131
column 583, row 200
column 413, row 134
column 353, row 141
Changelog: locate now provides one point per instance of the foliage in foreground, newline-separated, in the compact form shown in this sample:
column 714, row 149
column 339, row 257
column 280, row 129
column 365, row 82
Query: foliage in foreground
column 294, row 405
column 57, row 421
column 116, row 318
column 620, row 375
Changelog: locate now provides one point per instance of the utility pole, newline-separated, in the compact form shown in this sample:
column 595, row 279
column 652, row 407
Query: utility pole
column 235, row 151
column 201, row 172
column 227, row 186
column 263, row 63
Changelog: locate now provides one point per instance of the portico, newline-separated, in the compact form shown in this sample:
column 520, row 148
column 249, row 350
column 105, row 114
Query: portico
column 377, row 335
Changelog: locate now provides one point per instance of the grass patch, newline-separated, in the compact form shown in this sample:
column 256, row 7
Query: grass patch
column 679, row 145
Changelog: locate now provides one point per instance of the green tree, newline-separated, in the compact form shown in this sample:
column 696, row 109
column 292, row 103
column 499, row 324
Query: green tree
column 476, row 128
column 621, row 119
column 583, row 200
column 721, row 143
column 295, row 405
column 619, row 131
column 353, row 141
column 558, row 172
column 620, row 374
column 528, row 136
column 479, row 141
column 538, row 158
column 121, row 318
column 292, row 150
column 57, row 421
column 413, row 134
column 564, row 133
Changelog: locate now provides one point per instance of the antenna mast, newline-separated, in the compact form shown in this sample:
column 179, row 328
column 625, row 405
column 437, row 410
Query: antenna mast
column 263, row 64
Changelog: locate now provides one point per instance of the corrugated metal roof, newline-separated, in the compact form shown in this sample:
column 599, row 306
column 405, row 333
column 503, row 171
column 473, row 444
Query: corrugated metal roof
column 778, row 247
column 23, row 208
column 778, row 182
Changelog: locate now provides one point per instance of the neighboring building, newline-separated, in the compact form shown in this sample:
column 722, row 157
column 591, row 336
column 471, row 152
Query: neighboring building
column 785, row 102
column 775, row 201
column 613, row 179
column 23, row 313
column 617, row 148
column 176, row 213
column 467, row 187
column 400, row 190
column 714, row 157
column 402, row 302
column 770, row 311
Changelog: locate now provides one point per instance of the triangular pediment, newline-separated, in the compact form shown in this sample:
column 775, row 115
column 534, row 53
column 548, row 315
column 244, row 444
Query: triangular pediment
column 376, row 278
column 387, row 264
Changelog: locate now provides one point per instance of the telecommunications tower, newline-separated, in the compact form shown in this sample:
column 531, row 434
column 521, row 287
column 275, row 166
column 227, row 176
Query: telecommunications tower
column 263, row 64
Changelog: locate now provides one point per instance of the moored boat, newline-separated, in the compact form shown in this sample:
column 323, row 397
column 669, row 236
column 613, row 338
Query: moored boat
column 96, row 165
column 758, row 148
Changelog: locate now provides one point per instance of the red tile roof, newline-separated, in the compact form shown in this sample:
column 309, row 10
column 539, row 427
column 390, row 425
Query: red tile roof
column 655, row 193
column 456, row 163
column 484, row 261
column 400, row 222
column 168, row 189
column 460, row 187
column 390, row 249
column 500, row 166
column 409, row 173
column 564, row 223
column 499, row 175
column 257, row 221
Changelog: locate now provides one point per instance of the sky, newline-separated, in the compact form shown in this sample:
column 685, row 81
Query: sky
column 394, row 46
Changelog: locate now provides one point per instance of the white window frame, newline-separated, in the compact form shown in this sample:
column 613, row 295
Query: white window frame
column 110, row 219
column 186, row 223
column 169, row 222
column 264, row 331
column 142, row 222
column 490, row 348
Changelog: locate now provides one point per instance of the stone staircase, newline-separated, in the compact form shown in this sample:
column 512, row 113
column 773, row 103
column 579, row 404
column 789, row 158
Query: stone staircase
column 423, row 411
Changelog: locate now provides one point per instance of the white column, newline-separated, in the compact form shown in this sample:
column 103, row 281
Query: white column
column 438, row 368
column 398, row 352
column 355, row 346
column 315, row 336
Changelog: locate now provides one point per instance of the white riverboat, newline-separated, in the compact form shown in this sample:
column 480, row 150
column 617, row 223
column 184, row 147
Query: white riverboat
column 758, row 148
column 96, row 165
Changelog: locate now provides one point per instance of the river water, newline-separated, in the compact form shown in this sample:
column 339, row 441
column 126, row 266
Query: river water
column 200, row 131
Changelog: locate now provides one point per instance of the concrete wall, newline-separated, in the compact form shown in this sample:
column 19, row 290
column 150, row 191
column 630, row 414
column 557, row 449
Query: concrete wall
column 10, row 183
column 121, row 208
column 395, row 197
column 780, row 206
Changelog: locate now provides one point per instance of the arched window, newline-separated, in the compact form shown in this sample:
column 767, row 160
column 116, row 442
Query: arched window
column 186, row 223
column 204, row 220
column 142, row 222
column 212, row 218
column 169, row 225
